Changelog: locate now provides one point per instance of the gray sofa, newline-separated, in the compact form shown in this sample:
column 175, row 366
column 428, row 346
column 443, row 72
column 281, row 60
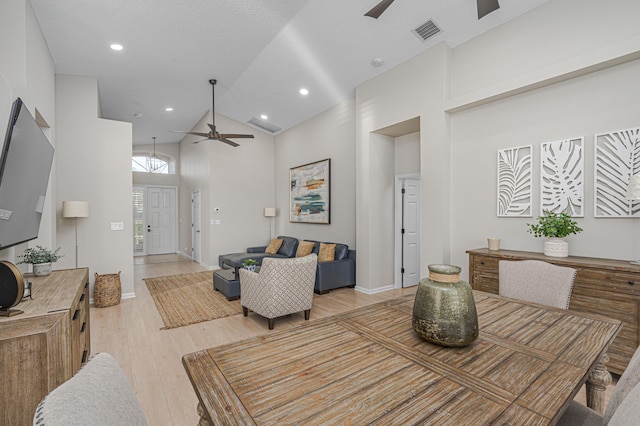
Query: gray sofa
column 341, row 272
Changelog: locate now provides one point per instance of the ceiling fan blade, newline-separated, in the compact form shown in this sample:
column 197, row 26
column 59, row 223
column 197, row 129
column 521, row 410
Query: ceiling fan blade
column 377, row 10
column 227, row 141
column 234, row 135
column 485, row 7
column 212, row 127
column 198, row 141
column 204, row 135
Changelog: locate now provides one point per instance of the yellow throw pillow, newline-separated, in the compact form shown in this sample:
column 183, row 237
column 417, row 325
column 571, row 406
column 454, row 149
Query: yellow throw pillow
column 274, row 246
column 327, row 252
column 304, row 248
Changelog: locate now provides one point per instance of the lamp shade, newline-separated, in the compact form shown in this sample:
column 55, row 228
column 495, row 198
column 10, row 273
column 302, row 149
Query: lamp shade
column 270, row 212
column 633, row 190
column 75, row 209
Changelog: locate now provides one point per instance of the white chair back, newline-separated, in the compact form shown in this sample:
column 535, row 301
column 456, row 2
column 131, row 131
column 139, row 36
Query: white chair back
column 536, row 281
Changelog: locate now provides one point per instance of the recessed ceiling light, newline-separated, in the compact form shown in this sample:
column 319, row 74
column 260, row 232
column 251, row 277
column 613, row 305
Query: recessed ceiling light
column 264, row 116
column 138, row 115
column 168, row 109
column 304, row 91
column 377, row 62
column 116, row 47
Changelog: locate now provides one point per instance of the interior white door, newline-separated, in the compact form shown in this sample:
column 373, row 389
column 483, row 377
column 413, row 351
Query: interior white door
column 410, row 232
column 161, row 220
column 195, row 226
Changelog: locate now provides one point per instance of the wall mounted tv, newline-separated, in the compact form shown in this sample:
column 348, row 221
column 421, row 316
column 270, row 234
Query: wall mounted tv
column 25, row 164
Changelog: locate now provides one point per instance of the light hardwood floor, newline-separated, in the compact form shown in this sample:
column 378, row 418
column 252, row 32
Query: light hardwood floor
column 152, row 358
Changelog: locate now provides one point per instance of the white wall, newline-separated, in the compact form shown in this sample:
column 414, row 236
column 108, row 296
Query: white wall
column 237, row 180
column 581, row 107
column 328, row 135
column 94, row 165
column 513, row 85
column 26, row 71
column 407, row 154
column 416, row 88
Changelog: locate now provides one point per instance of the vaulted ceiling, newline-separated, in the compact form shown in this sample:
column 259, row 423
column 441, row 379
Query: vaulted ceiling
column 260, row 51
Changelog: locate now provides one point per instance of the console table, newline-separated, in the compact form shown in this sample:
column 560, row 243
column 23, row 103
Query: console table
column 602, row 286
column 44, row 346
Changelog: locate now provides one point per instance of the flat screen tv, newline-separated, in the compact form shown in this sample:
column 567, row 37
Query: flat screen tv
column 25, row 164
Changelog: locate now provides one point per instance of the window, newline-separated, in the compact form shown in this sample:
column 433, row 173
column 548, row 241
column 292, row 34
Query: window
column 152, row 163
column 138, row 219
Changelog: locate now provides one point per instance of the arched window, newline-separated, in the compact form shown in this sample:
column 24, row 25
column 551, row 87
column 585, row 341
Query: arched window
column 146, row 162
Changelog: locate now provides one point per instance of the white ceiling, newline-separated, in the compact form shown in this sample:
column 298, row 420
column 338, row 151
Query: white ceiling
column 260, row 51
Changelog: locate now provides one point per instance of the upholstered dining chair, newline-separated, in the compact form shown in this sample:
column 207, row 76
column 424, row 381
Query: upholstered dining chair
column 98, row 394
column 281, row 287
column 536, row 281
column 623, row 407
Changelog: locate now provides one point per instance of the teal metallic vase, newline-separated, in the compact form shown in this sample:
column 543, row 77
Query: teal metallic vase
column 444, row 311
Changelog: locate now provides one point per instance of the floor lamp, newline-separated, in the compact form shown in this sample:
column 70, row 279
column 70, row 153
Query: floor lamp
column 271, row 213
column 75, row 209
column 633, row 194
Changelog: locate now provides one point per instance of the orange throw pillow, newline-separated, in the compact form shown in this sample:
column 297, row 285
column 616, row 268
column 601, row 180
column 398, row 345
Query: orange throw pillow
column 274, row 246
column 327, row 252
column 304, row 248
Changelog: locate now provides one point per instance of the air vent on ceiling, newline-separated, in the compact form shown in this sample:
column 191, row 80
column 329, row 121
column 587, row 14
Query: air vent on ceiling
column 264, row 125
column 426, row 30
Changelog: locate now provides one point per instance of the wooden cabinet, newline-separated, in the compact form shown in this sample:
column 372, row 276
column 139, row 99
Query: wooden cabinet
column 602, row 286
column 45, row 345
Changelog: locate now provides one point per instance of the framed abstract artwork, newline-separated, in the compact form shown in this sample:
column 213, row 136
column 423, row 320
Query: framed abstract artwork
column 617, row 158
column 562, row 177
column 310, row 192
column 514, row 182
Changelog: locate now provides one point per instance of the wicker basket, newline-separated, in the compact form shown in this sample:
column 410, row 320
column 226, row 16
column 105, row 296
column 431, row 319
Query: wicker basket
column 107, row 290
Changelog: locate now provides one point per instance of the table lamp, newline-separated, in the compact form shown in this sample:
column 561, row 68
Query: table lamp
column 75, row 209
column 633, row 194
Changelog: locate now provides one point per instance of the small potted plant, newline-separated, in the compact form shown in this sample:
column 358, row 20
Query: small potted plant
column 41, row 259
column 554, row 226
column 250, row 264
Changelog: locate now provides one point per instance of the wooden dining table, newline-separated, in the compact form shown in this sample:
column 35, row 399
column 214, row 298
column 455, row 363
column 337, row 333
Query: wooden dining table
column 368, row 366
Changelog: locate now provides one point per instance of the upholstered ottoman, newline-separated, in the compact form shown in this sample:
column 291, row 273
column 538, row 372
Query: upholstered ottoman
column 225, row 281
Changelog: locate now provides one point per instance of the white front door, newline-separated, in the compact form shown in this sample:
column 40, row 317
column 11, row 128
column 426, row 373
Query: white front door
column 410, row 232
column 161, row 220
column 195, row 226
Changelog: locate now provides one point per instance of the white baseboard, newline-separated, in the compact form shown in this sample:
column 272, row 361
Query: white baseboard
column 124, row 296
column 373, row 290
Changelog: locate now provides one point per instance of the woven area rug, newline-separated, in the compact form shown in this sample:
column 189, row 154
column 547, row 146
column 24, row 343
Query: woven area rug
column 189, row 299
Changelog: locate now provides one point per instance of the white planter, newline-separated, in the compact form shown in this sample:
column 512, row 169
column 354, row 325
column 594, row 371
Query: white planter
column 41, row 269
column 556, row 247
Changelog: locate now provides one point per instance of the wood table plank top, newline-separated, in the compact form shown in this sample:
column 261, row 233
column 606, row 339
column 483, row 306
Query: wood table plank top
column 368, row 366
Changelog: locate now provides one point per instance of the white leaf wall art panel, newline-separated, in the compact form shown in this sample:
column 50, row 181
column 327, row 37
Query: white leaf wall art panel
column 562, row 177
column 514, row 182
column 617, row 157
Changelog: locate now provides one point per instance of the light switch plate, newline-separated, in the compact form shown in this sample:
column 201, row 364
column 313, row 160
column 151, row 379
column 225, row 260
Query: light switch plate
column 117, row 226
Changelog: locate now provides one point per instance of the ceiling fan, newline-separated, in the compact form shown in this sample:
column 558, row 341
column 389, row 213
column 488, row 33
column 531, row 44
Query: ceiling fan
column 214, row 135
column 484, row 7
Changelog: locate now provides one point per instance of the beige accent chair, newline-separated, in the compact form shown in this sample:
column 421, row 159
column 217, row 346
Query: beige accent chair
column 536, row 281
column 282, row 287
column 623, row 407
column 98, row 394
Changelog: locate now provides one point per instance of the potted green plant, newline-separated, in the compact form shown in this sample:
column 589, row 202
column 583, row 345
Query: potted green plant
column 250, row 264
column 41, row 258
column 554, row 226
